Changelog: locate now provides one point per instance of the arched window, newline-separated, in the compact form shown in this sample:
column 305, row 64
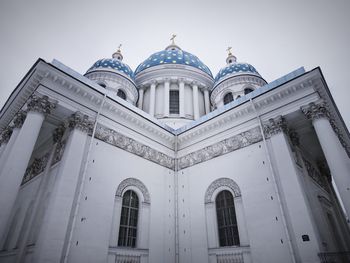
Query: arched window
column 128, row 220
column 103, row 85
column 121, row 94
column 248, row 90
column 228, row 98
column 227, row 222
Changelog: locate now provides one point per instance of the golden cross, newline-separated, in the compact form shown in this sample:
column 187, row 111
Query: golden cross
column 229, row 50
column 173, row 39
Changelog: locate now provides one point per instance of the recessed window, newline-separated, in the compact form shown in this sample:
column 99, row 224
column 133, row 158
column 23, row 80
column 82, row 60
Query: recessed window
column 248, row 90
column 102, row 85
column 174, row 102
column 128, row 220
column 121, row 94
column 227, row 222
column 228, row 98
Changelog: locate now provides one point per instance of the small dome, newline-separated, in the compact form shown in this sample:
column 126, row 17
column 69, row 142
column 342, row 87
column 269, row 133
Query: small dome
column 113, row 64
column 173, row 56
column 235, row 69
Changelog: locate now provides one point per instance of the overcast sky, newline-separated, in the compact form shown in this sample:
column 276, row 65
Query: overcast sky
column 274, row 36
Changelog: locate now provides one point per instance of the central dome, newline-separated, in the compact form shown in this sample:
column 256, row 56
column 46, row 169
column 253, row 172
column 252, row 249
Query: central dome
column 173, row 56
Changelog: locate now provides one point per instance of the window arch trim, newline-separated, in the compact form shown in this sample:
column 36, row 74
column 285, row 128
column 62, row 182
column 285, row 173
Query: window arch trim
column 135, row 183
column 221, row 183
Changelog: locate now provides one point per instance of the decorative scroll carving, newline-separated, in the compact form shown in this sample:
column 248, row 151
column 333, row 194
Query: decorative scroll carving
column 294, row 137
column 40, row 104
column 340, row 136
column 227, row 182
column 275, row 126
column 58, row 133
column 37, row 167
column 19, row 119
column 121, row 141
column 315, row 174
column 316, row 111
column 233, row 143
column 136, row 183
column 81, row 122
column 39, row 164
column 6, row 135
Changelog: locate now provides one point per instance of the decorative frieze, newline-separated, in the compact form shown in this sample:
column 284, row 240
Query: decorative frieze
column 221, row 182
column 316, row 111
column 121, row 141
column 39, row 164
column 19, row 119
column 40, row 104
column 58, row 133
column 6, row 135
column 136, row 183
column 315, row 174
column 233, row 143
column 81, row 122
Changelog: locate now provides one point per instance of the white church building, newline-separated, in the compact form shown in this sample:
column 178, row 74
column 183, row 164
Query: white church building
column 168, row 164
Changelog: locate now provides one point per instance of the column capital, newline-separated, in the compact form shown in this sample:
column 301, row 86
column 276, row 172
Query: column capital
column 315, row 111
column 154, row 82
column 194, row 83
column 181, row 80
column 19, row 119
column 6, row 135
column 81, row 122
column 275, row 126
column 58, row 133
column 40, row 104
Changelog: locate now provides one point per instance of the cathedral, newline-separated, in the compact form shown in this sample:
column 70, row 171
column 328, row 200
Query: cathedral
column 168, row 163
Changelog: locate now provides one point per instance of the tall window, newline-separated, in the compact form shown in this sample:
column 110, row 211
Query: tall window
column 228, row 98
column 121, row 94
column 227, row 222
column 128, row 220
column 248, row 90
column 174, row 102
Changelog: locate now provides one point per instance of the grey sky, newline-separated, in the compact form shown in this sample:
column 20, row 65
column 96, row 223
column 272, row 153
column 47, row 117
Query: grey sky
column 274, row 36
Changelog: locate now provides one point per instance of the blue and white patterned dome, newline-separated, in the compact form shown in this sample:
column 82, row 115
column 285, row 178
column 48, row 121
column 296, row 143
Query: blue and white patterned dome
column 173, row 56
column 113, row 64
column 235, row 69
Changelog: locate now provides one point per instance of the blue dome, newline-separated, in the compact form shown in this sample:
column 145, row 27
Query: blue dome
column 235, row 69
column 176, row 56
column 114, row 64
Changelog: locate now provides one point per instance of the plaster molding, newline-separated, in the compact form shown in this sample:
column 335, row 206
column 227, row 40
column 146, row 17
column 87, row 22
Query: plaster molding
column 228, row 145
column 221, row 182
column 6, row 135
column 136, row 183
column 128, row 144
column 19, row 119
column 40, row 104
column 316, row 111
column 58, row 133
column 80, row 122
column 275, row 126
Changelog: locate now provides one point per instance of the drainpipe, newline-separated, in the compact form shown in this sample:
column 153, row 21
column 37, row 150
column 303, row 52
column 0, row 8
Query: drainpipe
column 81, row 186
column 281, row 206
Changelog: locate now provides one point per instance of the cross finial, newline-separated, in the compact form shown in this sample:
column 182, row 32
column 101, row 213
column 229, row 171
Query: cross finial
column 229, row 51
column 120, row 45
column 173, row 39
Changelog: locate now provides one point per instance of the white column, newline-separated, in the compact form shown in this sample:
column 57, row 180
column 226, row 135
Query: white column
column 182, row 98
column 113, row 240
column 140, row 102
column 242, row 228
column 166, row 97
column 195, row 101
column 55, row 226
column 19, row 156
column 206, row 101
column 337, row 159
column 152, row 100
column 291, row 194
column 9, row 137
